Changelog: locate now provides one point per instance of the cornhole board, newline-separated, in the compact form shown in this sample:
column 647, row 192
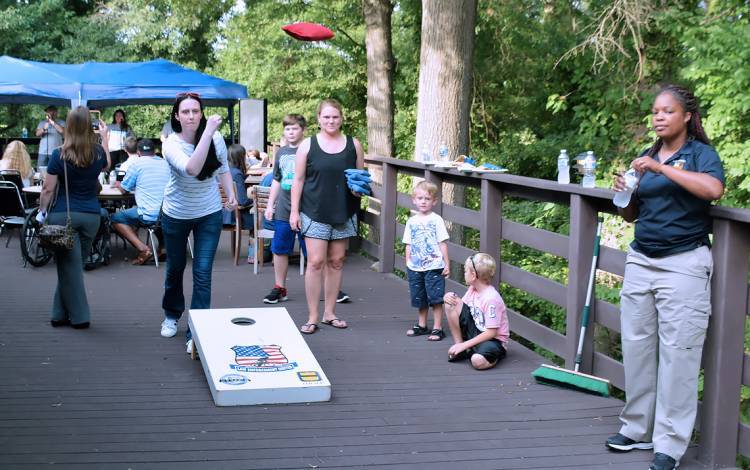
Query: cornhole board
column 255, row 356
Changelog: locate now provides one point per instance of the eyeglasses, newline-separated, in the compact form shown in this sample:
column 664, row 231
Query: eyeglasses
column 188, row 94
column 473, row 266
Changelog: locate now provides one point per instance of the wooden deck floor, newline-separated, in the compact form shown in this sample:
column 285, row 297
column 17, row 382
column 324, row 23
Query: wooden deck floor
column 118, row 396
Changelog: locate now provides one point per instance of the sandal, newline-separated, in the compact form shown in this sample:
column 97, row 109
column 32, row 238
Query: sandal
column 436, row 335
column 417, row 330
column 335, row 322
column 143, row 256
column 308, row 328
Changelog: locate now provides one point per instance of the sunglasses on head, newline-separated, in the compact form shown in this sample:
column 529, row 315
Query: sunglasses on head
column 188, row 94
column 473, row 266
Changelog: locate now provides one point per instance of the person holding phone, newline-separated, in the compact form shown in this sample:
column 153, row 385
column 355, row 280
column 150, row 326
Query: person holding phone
column 50, row 130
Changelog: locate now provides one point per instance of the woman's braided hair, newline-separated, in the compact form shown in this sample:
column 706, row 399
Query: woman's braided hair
column 689, row 102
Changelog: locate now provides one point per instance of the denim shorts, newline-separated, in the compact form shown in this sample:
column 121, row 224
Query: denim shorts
column 426, row 287
column 323, row 231
column 283, row 239
column 129, row 217
column 492, row 350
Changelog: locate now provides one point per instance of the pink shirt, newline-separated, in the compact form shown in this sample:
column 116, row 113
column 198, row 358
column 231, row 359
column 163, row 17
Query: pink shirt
column 488, row 311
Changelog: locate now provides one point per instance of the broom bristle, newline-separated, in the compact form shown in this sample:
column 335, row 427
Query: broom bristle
column 552, row 375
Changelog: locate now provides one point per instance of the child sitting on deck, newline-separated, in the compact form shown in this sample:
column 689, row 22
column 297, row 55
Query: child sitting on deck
column 427, row 261
column 478, row 321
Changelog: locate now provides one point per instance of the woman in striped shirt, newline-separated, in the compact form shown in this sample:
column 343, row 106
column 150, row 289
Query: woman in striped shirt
column 196, row 154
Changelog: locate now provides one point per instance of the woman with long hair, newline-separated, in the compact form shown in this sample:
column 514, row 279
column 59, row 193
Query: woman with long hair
column 665, row 300
column 17, row 158
column 82, row 158
column 120, row 130
column 197, row 155
column 325, row 210
column 238, row 170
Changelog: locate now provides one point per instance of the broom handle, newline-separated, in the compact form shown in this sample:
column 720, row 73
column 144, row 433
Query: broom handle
column 589, row 291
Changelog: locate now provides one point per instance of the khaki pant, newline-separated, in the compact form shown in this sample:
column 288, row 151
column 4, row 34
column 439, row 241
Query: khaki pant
column 665, row 306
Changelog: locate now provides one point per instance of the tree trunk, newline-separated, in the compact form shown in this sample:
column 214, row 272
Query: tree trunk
column 445, row 85
column 445, row 70
column 380, row 62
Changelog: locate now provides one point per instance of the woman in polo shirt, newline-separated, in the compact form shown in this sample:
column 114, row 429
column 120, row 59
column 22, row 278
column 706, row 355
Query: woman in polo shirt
column 324, row 209
column 196, row 154
column 666, row 298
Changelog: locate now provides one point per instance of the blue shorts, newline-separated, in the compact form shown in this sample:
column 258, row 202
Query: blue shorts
column 283, row 239
column 426, row 287
column 129, row 217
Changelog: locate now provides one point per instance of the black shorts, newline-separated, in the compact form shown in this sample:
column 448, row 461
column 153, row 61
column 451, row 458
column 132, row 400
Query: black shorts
column 492, row 350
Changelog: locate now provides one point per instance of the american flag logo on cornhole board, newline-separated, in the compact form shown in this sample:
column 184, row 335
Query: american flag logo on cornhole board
column 257, row 358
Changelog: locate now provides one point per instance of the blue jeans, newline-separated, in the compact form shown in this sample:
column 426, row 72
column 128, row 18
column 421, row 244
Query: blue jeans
column 206, row 232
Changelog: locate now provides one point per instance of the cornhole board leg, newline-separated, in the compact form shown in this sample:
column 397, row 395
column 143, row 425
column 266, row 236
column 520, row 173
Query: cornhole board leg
column 255, row 356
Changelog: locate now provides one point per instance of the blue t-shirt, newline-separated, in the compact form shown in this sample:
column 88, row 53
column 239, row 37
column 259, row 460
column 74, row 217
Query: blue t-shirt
column 148, row 176
column 671, row 220
column 83, row 183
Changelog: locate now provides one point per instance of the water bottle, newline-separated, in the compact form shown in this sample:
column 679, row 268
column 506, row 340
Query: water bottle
column 589, row 170
column 563, row 167
column 112, row 177
column 24, row 133
column 443, row 152
column 426, row 155
column 101, row 178
column 622, row 198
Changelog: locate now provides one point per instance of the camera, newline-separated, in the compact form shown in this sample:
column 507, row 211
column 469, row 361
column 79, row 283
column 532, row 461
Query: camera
column 95, row 117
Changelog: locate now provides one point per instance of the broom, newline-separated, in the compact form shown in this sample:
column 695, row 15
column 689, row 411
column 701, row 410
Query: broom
column 574, row 379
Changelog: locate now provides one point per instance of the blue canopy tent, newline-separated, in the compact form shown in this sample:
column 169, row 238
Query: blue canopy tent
column 108, row 84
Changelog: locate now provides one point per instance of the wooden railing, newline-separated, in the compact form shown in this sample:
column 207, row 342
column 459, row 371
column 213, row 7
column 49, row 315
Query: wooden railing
column 726, row 366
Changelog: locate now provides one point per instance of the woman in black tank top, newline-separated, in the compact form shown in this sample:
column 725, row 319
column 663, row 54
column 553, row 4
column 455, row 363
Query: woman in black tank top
column 324, row 209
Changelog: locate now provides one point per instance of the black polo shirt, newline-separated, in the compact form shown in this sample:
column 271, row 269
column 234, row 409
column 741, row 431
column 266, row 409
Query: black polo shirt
column 670, row 219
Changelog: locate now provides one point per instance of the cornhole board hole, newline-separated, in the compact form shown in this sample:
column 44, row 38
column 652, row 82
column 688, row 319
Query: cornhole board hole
column 255, row 356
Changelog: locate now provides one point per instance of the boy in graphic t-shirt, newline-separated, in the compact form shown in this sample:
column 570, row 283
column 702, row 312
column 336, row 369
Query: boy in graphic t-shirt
column 478, row 321
column 427, row 262
column 279, row 206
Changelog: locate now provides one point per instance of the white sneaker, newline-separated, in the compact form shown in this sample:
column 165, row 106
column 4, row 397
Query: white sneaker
column 168, row 328
column 189, row 346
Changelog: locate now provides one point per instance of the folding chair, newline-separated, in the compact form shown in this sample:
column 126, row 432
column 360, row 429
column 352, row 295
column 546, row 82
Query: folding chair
column 12, row 210
column 260, row 202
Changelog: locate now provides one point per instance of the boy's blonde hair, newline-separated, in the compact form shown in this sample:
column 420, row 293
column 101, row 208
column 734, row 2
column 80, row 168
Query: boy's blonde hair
column 426, row 186
column 483, row 266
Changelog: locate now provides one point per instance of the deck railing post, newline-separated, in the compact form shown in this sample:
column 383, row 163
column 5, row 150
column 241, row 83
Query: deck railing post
column 583, row 215
column 387, row 228
column 490, row 231
column 723, row 355
column 437, row 180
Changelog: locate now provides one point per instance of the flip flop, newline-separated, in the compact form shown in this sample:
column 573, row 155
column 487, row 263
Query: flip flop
column 308, row 328
column 336, row 323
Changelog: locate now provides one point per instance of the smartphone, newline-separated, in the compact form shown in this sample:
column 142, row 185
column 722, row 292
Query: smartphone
column 95, row 117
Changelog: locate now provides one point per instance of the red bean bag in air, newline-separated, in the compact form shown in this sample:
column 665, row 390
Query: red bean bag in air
column 308, row 31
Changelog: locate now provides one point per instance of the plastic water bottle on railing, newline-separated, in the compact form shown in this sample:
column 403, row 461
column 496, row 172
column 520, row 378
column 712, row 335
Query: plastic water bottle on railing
column 112, row 177
column 443, row 152
column 563, row 167
column 622, row 198
column 426, row 155
column 589, row 170
column 24, row 133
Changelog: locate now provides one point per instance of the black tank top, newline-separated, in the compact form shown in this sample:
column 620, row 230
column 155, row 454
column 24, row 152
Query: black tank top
column 325, row 196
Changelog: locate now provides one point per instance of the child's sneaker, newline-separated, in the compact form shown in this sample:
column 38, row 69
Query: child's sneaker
column 277, row 294
column 343, row 298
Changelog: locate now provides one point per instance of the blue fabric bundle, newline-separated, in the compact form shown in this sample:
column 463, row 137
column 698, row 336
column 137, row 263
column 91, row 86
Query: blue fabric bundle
column 470, row 160
column 358, row 181
column 490, row 166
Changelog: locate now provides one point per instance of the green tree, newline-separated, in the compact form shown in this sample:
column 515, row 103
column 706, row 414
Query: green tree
column 295, row 75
